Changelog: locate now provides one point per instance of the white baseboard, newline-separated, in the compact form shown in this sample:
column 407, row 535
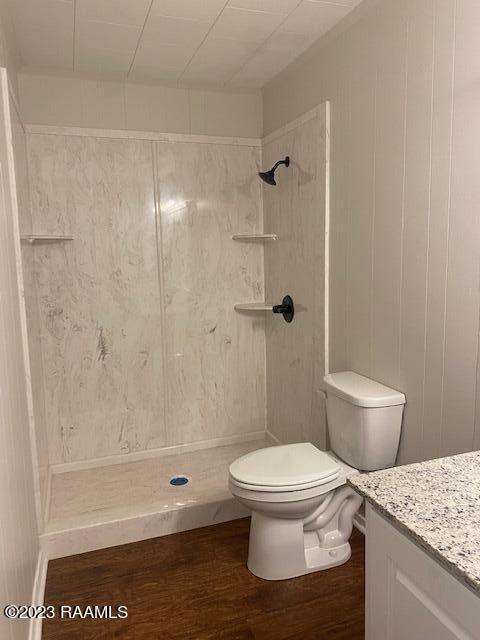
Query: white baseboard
column 359, row 523
column 38, row 595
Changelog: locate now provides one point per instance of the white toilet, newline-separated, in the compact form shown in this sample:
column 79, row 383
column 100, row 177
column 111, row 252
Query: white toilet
column 302, row 510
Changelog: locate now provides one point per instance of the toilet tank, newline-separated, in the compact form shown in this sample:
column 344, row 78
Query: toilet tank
column 364, row 420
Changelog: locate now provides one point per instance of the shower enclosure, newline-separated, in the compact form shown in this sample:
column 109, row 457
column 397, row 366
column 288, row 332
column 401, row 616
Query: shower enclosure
column 136, row 250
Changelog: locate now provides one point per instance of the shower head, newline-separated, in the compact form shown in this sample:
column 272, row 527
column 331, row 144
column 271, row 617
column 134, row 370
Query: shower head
column 269, row 176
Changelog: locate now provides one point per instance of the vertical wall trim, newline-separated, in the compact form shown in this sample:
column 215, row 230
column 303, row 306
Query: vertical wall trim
column 21, row 296
column 372, row 230
column 429, row 220
column 449, row 227
column 262, row 215
column 327, row 239
column 161, row 287
column 404, row 187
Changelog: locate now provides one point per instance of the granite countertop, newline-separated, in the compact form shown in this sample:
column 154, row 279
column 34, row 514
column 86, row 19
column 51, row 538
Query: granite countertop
column 437, row 504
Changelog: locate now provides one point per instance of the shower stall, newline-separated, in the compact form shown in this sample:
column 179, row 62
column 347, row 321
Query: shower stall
column 151, row 265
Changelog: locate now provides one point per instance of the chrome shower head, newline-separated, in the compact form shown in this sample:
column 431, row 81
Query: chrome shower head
column 269, row 176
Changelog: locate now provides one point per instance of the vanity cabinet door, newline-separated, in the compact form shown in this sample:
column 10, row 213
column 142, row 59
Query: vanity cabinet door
column 408, row 595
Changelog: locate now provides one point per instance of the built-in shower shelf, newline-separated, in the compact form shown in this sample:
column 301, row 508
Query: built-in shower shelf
column 254, row 306
column 36, row 239
column 254, row 237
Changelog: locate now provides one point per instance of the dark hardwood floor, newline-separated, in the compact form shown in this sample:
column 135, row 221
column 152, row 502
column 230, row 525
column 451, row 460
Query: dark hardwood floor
column 195, row 586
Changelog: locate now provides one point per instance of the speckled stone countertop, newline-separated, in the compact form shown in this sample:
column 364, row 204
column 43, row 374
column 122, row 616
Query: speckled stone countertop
column 437, row 504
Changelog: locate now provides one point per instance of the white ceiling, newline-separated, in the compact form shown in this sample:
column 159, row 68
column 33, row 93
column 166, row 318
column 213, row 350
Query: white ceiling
column 238, row 44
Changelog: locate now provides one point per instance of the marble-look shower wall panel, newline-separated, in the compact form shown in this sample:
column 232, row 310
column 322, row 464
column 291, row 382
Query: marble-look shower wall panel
column 101, row 328
column 294, row 264
column 215, row 356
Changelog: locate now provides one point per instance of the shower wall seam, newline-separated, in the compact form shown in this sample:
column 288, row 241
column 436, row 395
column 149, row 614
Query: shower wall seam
column 161, row 286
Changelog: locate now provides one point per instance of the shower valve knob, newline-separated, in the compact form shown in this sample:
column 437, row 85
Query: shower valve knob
column 287, row 309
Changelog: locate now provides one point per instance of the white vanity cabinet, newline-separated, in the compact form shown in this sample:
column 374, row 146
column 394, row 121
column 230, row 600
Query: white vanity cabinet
column 409, row 596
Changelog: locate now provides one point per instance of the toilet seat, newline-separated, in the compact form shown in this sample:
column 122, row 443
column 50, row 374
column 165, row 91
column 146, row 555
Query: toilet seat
column 292, row 467
column 286, row 494
column 284, row 488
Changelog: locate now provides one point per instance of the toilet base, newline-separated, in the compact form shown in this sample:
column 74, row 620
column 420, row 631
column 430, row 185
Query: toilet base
column 282, row 549
column 318, row 558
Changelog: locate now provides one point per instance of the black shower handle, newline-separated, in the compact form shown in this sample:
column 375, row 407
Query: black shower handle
column 281, row 308
column 287, row 309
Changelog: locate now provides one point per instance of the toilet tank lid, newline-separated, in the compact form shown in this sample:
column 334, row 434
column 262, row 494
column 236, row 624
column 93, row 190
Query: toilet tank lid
column 361, row 391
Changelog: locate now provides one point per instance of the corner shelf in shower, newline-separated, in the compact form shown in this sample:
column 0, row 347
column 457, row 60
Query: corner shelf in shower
column 254, row 306
column 37, row 239
column 254, row 237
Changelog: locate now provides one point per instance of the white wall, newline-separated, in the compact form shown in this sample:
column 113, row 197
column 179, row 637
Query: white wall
column 8, row 51
column 18, row 527
column 62, row 99
column 404, row 81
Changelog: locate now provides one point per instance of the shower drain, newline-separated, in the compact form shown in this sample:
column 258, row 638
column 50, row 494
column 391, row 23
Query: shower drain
column 179, row 481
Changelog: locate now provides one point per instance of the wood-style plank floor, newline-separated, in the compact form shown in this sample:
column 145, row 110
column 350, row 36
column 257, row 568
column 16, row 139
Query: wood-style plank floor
column 195, row 586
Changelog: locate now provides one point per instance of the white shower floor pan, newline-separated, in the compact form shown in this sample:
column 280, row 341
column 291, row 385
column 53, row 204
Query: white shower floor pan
column 121, row 503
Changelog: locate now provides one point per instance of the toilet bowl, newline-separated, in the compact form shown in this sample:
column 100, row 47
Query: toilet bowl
column 301, row 522
column 302, row 508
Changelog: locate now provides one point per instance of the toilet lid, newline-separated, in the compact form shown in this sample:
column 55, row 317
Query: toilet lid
column 291, row 465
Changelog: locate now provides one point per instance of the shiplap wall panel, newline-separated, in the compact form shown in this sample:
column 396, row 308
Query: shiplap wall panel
column 416, row 218
column 464, row 238
column 439, row 226
column 361, row 175
column 403, row 80
column 388, row 193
